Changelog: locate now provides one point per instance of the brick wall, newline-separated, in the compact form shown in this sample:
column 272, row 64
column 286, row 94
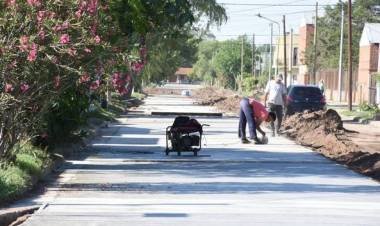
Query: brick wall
column 368, row 64
column 306, row 34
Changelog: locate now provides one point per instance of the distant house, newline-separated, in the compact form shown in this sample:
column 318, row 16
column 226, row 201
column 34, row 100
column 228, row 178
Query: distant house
column 182, row 75
column 368, row 62
column 292, row 56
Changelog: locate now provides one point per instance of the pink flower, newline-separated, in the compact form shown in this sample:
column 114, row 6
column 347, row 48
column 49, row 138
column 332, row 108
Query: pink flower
column 137, row 66
column 24, row 88
column 83, row 5
column 84, row 78
column 65, row 25
column 78, row 13
column 33, row 53
column 65, row 38
column 119, row 82
column 11, row 2
column 128, row 78
column 95, row 85
column 94, row 28
column 123, row 91
column 41, row 34
column 72, row 52
column 92, row 7
column 87, row 50
column 24, row 43
column 97, row 39
column 52, row 15
column 41, row 16
column 57, row 81
column 8, row 88
column 61, row 27
column 34, row 2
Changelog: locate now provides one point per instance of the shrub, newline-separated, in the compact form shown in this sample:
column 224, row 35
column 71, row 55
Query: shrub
column 29, row 163
column 66, row 114
column 13, row 182
column 369, row 108
column 30, row 158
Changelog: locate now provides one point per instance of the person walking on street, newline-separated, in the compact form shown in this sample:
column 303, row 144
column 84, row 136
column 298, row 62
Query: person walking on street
column 253, row 113
column 321, row 86
column 275, row 96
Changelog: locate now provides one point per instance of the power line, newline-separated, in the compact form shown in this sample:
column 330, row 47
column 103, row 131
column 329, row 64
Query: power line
column 260, row 35
column 279, row 13
column 273, row 5
column 257, row 8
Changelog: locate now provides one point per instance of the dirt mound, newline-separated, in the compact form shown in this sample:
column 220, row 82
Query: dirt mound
column 225, row 100
column 324, row 132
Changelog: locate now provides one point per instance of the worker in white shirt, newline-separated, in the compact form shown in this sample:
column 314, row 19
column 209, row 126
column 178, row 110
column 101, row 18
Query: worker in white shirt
column 275, row 99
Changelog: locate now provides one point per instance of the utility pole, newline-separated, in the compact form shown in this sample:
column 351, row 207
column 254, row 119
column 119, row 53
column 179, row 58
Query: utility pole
column 315, row 45
column 253, row 56
column 270, row 52
column 350, row 55
column 341, row 54
column 285, row 62
column 291, row 57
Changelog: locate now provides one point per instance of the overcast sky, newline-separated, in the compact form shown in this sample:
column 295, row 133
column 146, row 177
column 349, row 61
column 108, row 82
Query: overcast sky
column 242, row 19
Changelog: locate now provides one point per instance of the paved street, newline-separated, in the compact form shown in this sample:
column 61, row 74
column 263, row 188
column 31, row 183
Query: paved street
column 125, row 179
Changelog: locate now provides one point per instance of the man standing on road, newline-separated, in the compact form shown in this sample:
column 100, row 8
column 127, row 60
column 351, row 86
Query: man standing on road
column 275, row 95
column 254, row 113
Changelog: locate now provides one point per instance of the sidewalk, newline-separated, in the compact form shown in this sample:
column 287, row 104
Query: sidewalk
column 368, row 137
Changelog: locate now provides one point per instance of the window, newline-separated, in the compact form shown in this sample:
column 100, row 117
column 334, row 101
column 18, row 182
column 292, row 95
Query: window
column 295, row 56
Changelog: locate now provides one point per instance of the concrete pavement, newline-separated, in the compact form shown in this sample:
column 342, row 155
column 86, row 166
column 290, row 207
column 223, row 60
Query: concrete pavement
column 125, row 178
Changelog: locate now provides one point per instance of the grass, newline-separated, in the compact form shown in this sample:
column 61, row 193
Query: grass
column 28, row 161
column 13, row 182
column 360, row 114
column 137, row 95
column 16, row 176
column 115, row 107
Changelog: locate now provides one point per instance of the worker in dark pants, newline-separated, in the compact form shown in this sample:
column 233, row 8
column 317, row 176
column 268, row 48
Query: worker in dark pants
column 275, row 96
column 253, row 113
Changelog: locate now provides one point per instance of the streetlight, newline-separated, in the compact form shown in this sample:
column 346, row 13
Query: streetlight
column 271, row 41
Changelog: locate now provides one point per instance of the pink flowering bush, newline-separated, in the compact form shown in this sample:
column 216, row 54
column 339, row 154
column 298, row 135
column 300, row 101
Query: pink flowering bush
column 54, row 55
column 48, row 48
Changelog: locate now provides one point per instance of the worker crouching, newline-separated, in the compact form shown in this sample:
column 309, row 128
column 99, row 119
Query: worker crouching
column 253, row 113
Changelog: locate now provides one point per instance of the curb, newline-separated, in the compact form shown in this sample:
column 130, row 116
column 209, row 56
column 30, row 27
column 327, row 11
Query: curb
column 10, row 215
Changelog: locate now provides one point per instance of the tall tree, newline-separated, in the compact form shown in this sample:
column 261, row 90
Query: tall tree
column 329, row 24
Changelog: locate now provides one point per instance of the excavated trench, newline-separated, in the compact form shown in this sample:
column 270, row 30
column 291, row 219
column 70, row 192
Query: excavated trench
column 323, row 131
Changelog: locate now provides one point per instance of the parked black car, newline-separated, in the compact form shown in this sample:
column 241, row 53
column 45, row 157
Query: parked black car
column 301, row 98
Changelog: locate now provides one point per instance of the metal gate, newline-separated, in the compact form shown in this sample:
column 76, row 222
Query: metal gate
column 372, row 89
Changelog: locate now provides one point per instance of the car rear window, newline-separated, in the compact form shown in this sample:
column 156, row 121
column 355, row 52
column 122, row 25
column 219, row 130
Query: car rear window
column 306, row 91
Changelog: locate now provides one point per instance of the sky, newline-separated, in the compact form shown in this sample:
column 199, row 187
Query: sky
column 242, row 19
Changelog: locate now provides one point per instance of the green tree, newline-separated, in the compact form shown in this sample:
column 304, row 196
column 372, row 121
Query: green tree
column 204, row 68
column 329, row 26
column 170, row 30
column 227, row 62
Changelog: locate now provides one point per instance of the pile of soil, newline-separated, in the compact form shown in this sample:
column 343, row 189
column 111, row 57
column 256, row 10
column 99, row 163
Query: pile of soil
column 323, row 131
column 224, row 100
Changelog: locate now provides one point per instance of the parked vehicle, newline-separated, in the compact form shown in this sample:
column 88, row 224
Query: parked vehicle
column 301, row 98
